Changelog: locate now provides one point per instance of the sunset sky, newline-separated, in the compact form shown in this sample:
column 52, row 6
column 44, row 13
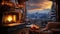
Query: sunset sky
column 35, row 5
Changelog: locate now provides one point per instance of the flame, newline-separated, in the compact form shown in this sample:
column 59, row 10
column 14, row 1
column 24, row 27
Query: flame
column 9, row 18
column 14, row 18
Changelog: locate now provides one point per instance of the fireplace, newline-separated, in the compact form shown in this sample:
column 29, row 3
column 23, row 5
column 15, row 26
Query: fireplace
column 11, row 18
column 13, row 12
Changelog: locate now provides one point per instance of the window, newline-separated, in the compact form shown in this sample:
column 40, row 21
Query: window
column 45, row 10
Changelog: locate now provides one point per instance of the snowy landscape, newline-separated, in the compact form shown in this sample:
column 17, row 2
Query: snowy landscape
column 39, row 16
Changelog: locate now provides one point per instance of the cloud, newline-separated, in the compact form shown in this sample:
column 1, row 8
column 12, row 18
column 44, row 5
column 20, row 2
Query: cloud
column 36, row 1
column 38, row 4
column 39, row 11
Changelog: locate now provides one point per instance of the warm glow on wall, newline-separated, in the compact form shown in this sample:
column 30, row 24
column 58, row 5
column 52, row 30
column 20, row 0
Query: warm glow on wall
column 8, row 3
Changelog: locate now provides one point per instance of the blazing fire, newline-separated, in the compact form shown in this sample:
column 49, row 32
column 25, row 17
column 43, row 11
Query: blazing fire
column 9, row 18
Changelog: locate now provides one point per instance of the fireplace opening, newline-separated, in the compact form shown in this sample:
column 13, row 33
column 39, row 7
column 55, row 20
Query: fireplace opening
column 12, row 17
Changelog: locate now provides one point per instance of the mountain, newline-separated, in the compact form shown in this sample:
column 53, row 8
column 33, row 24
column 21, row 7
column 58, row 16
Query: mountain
column 39, row 11
column 38, row 14
column 41, row 16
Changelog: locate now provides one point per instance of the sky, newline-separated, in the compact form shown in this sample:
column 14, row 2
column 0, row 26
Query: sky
column 38, row 5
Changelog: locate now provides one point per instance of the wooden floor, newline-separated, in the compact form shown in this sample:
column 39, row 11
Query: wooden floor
column 25, row 31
